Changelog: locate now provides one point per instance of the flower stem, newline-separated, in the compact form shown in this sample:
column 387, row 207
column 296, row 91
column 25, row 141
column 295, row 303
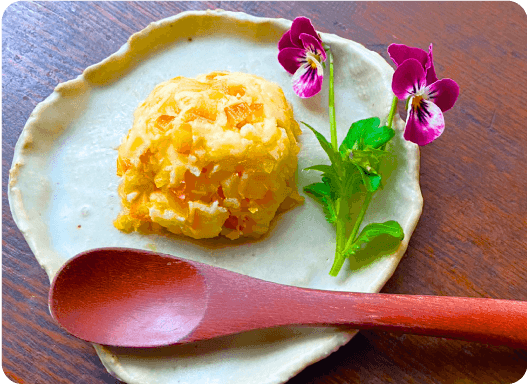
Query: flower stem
column 392, row 112
column 332, row 118
column 337, row 265
column 358, row 222
column 341, row 205
column 342, row 219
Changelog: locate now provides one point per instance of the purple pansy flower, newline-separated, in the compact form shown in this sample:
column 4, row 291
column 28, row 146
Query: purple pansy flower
column 415, row 79
column 400, row 52
column 301, row 54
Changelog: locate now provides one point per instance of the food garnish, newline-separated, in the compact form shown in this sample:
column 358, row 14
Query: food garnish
column 355, row 171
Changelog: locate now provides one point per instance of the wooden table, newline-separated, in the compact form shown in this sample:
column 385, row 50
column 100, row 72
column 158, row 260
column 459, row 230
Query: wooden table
column 470, row 240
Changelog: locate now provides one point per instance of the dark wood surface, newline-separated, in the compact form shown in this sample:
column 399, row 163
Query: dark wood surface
column 470, row 241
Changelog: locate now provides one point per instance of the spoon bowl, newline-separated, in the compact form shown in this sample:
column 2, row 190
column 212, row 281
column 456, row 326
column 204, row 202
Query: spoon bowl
column 134, row 298
column 128, row 298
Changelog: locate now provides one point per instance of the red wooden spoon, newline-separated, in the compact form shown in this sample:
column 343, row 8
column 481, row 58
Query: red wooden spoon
column 133, row 298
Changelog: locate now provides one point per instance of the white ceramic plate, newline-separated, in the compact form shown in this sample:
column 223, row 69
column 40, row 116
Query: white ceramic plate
column 62, row 188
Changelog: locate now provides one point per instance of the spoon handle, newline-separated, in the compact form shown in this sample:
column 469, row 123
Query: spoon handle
column 254, row 305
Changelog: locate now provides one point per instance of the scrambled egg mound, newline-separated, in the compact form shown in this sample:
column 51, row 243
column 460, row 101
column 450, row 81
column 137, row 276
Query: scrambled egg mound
column 214, row 155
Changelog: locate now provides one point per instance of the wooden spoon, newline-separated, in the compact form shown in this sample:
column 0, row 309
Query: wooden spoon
column 133, row 298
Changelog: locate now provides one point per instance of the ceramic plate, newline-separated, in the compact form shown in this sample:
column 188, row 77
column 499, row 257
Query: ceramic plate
column 63, row 187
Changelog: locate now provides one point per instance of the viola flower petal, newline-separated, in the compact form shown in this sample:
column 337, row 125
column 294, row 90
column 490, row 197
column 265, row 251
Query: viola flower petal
column 285, row 41
column 443, row 93
column 400, row 52
column 301, row 53
column 427, row 97
column 430, row 70
column 408, row 78
column 425, row 122
column 302, row 25
column 307, row 80
column 313, row 45
column 291, row 59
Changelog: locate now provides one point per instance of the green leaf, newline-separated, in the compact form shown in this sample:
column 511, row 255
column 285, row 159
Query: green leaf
column 322, row 193
column 368, row 162
column 326, row 146
column 354, row 138
column 329, row 176
column 377, row 137
column 321, row 168
column 330, row 211
column 366, row 133
column 333, row 182
column 376, row 239
column 368, row 159
column 371, row 181
column 352, row 179
column 318, row 190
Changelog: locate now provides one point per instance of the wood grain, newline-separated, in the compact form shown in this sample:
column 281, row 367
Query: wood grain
column 470, row 240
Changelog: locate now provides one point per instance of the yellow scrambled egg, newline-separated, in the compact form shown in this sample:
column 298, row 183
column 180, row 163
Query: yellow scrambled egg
column 214, row 155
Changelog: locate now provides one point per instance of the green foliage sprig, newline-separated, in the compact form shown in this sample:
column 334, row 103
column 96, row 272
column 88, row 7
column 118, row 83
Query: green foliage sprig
column 349, row 183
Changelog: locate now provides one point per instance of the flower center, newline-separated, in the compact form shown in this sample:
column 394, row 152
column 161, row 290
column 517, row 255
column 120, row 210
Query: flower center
column 416, row 102
column 419, row 96
column 313, row 59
